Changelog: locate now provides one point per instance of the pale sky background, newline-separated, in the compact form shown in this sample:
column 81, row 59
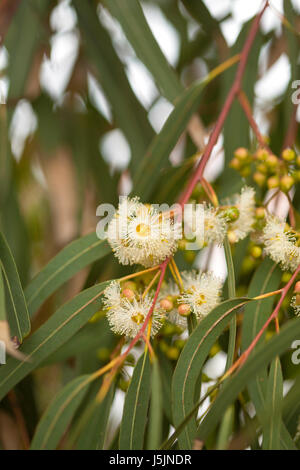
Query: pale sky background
column 56, row 70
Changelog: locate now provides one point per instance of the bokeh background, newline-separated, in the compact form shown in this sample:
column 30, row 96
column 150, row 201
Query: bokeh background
column 79, row 110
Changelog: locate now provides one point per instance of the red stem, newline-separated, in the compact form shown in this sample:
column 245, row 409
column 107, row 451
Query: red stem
column 226, row 108
column 163, row 268
column 274, row 315
column 206, row 155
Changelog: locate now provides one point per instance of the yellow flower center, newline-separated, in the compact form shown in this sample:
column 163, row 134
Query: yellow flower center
column 143, row 230
column 201, row 299
column 138, row 318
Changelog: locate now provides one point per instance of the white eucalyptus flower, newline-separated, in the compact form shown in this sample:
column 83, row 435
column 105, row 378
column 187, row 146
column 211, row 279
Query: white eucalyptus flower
column 245, row 202
column 295, row 305
column 215, row 226
column 139, row 234
column 127, row 317
column 201, row 292
column 280, row 244
column 170, row 289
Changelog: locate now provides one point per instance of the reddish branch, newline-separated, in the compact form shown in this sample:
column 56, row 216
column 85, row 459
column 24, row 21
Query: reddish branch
column 198, row 175
column 235, row 89
column 274, row 315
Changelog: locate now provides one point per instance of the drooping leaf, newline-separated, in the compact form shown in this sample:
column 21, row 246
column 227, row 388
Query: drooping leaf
column 61, row 326
column 63, row 266
column 129, row 114
column 191, row 361
column 255, row 363
column 58, row 415
column 266, row 279
column 132, row 19
column 93, row 434
column 156, row 409
column 135, row 411
column 17, row 312
column 272, row 413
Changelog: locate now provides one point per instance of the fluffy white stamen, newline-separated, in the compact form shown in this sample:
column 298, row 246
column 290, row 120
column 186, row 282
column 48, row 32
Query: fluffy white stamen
column 139, row 234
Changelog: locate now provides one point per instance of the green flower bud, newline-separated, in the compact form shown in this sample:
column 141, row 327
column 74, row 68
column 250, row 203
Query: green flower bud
column 256, row 251
column 173, row 353
column 273, row 182
column 297, row 288
column 189, row 256
column 259, row 178
column 248, row 264
column 260, row 212
column 262, row 154
column 123, row 384
column 262, row 168
column 235, row 164
column 272, row 162
column 288, row 155
column 246, row 171
column 241, row 154
column 286, row 183
column 232, row 213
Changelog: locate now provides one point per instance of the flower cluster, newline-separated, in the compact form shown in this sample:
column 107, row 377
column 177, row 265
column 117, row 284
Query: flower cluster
column 139, row 234
column 127, row 311
column 200, row 293
column 236, row 218
column 280, row 243
column 245, row 203
column 270, row 171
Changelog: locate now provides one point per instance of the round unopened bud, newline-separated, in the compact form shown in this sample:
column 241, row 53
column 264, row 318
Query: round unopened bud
column 189, row 256
column 166, row 305
column 262, row 168
column 173, row 353
column 130, row 285
column 297, row 287
column 245, row 171
column 184, row 310
column 286, row 183
column 123, row 384
column 232, row 236
column 272, row 162
column 261, row 154
column 297, row 300
column 260, row 212
column 256, row 251
column 248, row 264
column 273, row 182
column 235, row 164
column 232, row 213
column 241, row 153
column 288, row 155
column 197, row 191
column 181, row 244
column 259, row 178
column 286, row 277
column 128, row 293
column 179, row 343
